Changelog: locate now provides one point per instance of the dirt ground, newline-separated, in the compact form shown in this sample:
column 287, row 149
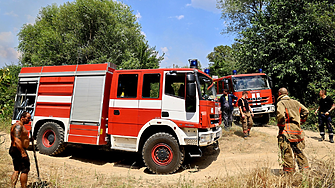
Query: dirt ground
column 235, row 155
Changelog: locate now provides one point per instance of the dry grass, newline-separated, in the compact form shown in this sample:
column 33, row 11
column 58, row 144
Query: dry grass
column 5, row 162
column 322, row 174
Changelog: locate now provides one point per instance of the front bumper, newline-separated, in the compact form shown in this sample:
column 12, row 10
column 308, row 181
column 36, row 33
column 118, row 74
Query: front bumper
column 264, row 109
column 209, row 137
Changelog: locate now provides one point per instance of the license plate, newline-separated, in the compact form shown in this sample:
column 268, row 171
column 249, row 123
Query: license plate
column 257, row 109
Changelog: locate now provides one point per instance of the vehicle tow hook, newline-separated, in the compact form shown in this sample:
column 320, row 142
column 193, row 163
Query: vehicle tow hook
column 216, row 145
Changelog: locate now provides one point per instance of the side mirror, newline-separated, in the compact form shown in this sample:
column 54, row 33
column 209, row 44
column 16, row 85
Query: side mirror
column 190, row 77
column 191, row 89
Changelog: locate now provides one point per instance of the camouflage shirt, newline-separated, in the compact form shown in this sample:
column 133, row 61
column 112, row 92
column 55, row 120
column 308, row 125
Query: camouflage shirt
column 290, row 113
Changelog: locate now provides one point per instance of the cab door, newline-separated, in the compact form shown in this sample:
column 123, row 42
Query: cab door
column 124, row 104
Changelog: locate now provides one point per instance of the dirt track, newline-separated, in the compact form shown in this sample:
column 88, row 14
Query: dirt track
column 235, row 155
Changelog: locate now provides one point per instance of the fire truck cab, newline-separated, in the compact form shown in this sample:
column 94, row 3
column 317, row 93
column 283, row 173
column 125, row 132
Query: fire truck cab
column 260, row 97
column 161, row 113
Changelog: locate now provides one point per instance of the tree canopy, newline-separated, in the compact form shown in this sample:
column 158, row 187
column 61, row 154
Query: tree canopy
column 237, row 14
column 292, row 41
column 86, row 31
column 222, row 61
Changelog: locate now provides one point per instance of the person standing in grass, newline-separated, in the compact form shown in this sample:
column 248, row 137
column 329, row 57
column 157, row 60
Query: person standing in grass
column 290, row 115
column 326, row 105
column 19, row 144
column 246, row 114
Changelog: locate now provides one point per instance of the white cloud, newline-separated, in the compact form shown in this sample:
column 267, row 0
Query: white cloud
column 143, row 33
column 30, row 19
column 7, row 52
column 6, row 37
column 11, row 14
column 178, row 17
column 138, row 15
column 208, row 5
column 165, row 49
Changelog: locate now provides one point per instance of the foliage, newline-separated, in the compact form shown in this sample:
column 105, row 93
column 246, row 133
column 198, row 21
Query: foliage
column 291, row 41
column 222, row 61
column 8, row 86
column 85, row 32
column 239, row 13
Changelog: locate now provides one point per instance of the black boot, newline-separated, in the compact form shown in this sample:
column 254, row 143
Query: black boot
column 331, row 139
column 322, row 138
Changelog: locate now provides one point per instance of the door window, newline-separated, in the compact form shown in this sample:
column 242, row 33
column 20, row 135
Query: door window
column 127, row 86
column 151, row 86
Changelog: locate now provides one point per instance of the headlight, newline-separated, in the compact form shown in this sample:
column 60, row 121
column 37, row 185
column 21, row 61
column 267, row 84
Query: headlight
column 206, row 138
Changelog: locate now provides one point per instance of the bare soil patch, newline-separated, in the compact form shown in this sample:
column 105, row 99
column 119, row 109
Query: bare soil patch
column 89, row 166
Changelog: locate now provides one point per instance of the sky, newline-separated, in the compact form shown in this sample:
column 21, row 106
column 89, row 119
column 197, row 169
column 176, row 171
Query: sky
column 182, row 29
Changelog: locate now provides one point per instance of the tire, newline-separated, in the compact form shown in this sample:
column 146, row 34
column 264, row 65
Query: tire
column 50, row 139
column 161, row 154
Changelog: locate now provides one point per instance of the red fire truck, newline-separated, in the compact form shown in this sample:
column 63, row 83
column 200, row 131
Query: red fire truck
column 260, row 96
column 161, row 113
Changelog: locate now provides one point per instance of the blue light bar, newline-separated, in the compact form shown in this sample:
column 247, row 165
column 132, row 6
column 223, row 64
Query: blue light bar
column 234, row 72
column 260, row 70
column 207, row 71
column 194, row 63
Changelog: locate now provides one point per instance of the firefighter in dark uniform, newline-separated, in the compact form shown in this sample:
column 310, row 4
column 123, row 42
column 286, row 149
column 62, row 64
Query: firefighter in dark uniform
column 227, row 101
column 245, row 114
column 326, row 105
column 290, row 114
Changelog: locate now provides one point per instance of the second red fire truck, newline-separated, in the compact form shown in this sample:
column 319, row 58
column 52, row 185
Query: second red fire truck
column 163, row 114
column 260, row 96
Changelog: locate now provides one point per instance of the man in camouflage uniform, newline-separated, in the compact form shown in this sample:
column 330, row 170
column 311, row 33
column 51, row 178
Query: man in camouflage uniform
column 290, row 114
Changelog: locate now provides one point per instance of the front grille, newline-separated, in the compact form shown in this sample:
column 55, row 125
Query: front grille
column 214, row 116
column 252, row 101
column 191, row 141
column 214, row 121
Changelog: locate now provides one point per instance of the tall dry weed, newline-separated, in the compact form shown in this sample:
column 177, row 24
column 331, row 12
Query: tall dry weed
column 321, row 175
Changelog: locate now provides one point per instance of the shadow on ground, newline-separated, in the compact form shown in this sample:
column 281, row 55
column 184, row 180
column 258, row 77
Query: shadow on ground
column 131, row 160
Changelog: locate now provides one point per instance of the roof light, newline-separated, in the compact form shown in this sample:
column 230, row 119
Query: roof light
column 260, row 70
column 207, row 71
column 193, row 63
column 234, row 72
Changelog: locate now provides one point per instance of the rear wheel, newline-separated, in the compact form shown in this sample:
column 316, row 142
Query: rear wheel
column 50, row 138
column 161, row 154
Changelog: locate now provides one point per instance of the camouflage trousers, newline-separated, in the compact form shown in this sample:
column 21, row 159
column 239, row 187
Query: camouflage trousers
column 247, row 123
column 291, row 152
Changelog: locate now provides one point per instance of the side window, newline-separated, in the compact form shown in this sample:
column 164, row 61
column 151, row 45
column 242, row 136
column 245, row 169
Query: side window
column 151, row 85
column 175, row 84
column 127, row 86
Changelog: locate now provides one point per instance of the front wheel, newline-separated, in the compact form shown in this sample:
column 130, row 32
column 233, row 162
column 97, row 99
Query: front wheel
column 161, row 153
column 50, row 138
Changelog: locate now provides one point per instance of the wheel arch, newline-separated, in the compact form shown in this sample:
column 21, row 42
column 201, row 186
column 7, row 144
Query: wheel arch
column 39, row 124
column 153, row 127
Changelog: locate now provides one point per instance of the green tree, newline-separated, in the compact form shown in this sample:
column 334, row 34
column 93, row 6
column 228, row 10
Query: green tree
column 8, row 86
column 222, row 61
column 85, row 32
column 237, row 14
column 293, row 41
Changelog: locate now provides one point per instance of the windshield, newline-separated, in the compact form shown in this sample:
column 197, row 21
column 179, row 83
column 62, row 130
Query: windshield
column 250, row 83
column 207, row 87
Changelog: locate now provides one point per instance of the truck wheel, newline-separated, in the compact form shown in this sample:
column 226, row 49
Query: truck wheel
column 50, row 138
column 161, row 153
